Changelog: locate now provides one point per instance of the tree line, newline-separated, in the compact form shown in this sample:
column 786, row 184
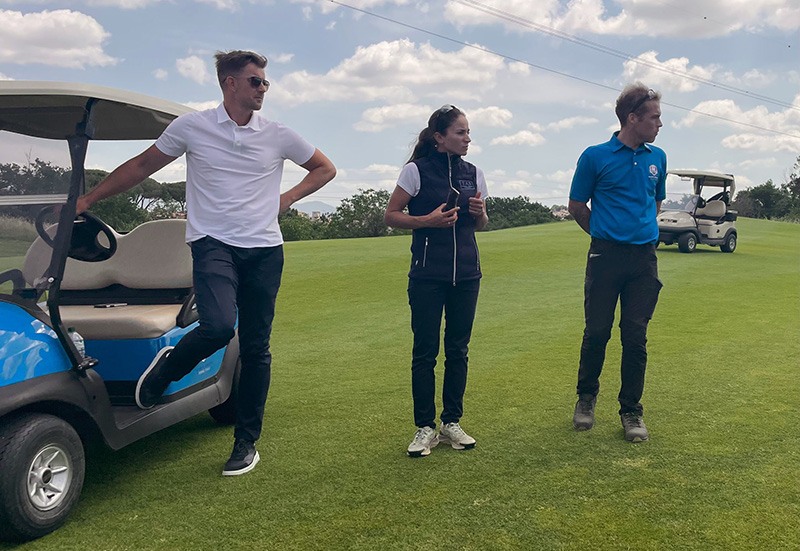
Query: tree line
column 360, row 215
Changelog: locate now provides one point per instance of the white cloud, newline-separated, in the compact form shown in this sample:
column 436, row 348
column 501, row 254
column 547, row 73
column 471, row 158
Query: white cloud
column 328, row 7
column 194, row 68
column 743, row 182
column 330, row 26
column 513, row 187
column 682, row 18
column 395, row 72
column 61, row 38
column 124, row 4
column 221, row 4
column 5, row 77
column 377, row 119
column 661, row 74
column 281, row 58
column 787, row 122
column 349, row 180
column 160, row 74
column 561, row 176
column 203, row 105
column 751, row 163
column 523, row 137
column 564, row 124
column 136, row 4
column 173, row 172
column 752, row 79
column 382, row 169
column 519, row 68
column 761, row 142
column 489, row 116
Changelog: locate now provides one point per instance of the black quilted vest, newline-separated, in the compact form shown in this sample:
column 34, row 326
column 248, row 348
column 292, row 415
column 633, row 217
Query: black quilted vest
column 444, row 254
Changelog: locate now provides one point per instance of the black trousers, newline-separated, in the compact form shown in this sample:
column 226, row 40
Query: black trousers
column 428, row 299
column 628, row 274
column 228, row 278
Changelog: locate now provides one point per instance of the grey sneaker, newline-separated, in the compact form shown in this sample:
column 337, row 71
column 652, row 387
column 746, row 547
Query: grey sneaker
column 635, row 431
column 453, row 434
column 583, row 419
column 424, row 439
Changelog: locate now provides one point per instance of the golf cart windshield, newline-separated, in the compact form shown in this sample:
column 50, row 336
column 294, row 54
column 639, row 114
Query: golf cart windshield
column 691, row 204
column 34, row 185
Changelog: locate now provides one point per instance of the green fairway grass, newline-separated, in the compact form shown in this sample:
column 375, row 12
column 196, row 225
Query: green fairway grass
column 721, row 470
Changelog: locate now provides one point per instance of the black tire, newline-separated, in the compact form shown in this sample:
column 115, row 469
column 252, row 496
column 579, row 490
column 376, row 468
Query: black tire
column 730, row 243
column 225, row 413
column 43, row 453
column 687, row 242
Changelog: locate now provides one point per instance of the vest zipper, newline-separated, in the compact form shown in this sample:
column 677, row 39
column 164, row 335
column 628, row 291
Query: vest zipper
column 455, row 243
column 425, row 253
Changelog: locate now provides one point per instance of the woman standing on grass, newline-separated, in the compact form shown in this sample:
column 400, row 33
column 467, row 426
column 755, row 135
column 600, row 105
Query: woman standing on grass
column 445, row 198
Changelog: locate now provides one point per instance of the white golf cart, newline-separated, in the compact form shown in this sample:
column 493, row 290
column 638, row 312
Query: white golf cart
column 706, row 221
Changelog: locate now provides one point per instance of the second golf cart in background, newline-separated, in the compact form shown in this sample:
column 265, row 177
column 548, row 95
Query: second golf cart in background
column 702, row 221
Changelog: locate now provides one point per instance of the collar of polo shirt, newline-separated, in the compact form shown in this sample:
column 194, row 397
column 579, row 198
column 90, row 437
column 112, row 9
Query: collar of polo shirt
column 222, row 117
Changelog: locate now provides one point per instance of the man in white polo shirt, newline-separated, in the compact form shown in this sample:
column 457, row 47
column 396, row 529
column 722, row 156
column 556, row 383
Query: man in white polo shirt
column 234, row 159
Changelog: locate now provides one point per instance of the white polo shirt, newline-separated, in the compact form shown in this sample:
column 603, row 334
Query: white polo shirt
column 233, row 174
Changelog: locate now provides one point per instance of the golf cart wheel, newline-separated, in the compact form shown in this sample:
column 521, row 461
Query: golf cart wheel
column 225, row 413
column 687, row 242
column 730, row 244
column 41, row 475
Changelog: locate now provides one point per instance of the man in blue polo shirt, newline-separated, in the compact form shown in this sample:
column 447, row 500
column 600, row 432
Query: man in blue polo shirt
column 624, row 179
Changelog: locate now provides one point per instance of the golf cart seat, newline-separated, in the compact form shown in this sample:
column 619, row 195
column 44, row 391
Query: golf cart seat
column 140, row 292
column 711, row 212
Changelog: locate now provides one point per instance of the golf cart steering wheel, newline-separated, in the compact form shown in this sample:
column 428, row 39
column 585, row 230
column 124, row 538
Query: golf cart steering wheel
column 86, row 229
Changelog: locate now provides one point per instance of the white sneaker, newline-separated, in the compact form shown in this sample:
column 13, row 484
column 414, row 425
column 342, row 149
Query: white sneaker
column 424, row 439
column 453, row 434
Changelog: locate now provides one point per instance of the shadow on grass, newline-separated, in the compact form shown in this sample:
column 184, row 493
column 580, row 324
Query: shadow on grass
column 106, row 467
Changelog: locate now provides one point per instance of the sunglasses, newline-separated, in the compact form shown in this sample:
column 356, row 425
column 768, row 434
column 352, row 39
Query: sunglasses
column 445, row 109
column 650, row 95
column 256, row 82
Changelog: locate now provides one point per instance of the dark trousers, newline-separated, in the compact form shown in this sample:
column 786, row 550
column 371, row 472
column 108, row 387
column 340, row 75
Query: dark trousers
column 427, row 299
column 628, row 274
column 225, row 278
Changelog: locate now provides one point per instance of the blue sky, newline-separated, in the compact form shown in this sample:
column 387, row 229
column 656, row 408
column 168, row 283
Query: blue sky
column 360, row 88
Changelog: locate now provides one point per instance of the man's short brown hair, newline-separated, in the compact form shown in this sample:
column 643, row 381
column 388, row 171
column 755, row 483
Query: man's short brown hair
column 633, row 99
column 231, row 63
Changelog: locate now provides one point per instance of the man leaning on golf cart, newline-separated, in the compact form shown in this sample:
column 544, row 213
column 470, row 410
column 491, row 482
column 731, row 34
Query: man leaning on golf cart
column 234, row 159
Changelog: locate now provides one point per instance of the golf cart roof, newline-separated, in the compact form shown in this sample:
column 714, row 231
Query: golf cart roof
column 56, row 110
column 706, row 177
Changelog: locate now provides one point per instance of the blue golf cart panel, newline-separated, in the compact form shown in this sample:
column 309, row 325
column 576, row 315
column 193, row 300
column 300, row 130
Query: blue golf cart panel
column 28, row 347
column 126, row 359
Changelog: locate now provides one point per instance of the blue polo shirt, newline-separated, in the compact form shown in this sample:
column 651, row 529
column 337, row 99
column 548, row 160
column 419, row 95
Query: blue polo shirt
column 623, row 186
